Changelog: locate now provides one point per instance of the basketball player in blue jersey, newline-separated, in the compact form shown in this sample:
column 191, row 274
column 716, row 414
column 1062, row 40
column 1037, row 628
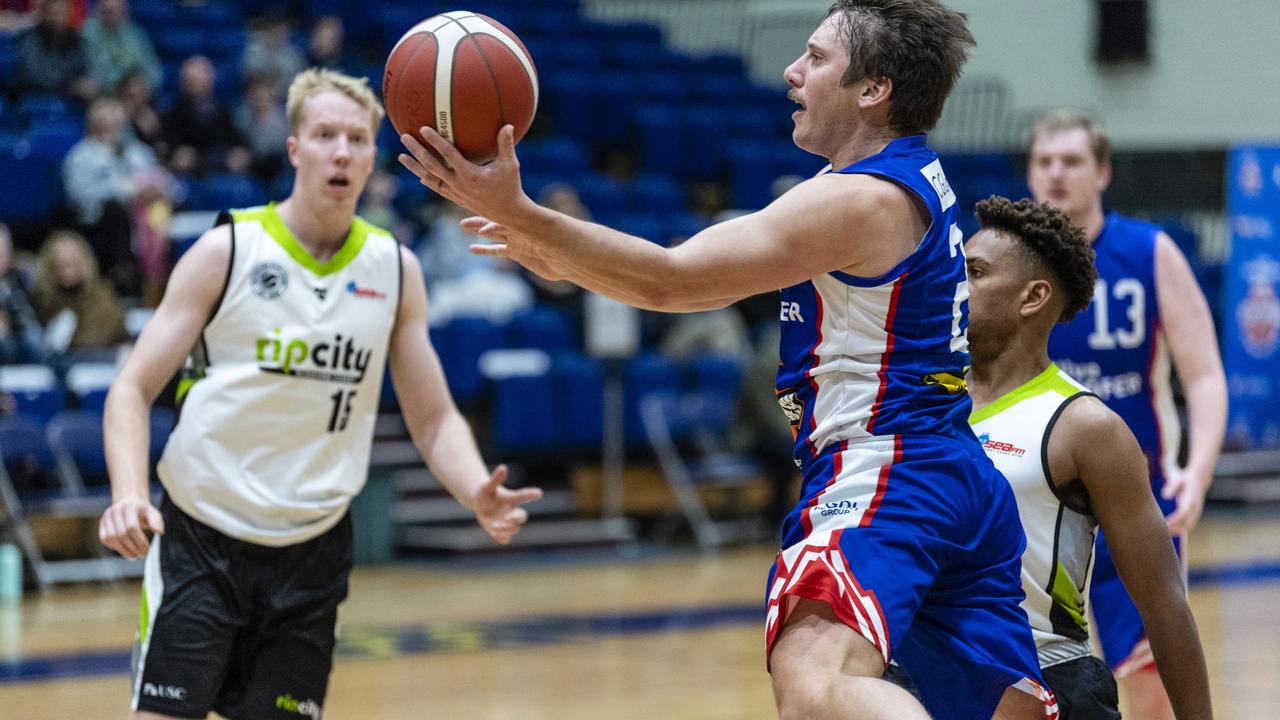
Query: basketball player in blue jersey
column 1073, row 464
column 292, row 310
column 1146, row 310
column 906, row 542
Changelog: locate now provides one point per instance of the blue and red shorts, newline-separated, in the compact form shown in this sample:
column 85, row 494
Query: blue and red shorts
column 915, row 543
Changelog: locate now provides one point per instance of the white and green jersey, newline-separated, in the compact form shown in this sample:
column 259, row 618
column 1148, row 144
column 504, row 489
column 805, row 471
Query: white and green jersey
column 1014, row 431
column 274, row 433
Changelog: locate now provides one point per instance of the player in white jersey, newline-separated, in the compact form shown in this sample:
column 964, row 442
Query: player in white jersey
column 289, row 313
column 1072, row 462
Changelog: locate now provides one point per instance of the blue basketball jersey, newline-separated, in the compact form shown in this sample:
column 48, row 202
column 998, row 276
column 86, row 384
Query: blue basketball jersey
column 867, row 357
column 1115, row 347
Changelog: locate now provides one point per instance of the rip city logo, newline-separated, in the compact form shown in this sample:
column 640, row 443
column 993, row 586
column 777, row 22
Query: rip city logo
column 1002, row 448
column 340, row 361
column 305, row 708
column 842, row 507
column 364, row 292
column 167, row 692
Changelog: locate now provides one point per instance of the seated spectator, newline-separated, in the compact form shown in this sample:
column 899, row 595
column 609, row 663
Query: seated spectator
column 116, row 45
column 78, row 308
column 377, row 206
column 198, row 130
column 135, row 93
column 20, row 334
column 262, row 121
column 324, row 48
column 51, row 55
column 112, row 185
column 443, row 250
column 270, row 54
column 19, row 15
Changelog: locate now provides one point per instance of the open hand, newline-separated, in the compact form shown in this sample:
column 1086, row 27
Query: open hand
column 123, row 526
column 492, row 190
column 1187, row 487
column 498, row 508
column 511, row 245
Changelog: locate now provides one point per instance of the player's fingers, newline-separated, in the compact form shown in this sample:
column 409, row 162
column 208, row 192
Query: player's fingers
column 507, row 143
column 488, row 250
column 1171, row 487
column 474, row 223
column 524, row 495
column 518, row 517
column 154, row 520
column 446, row 153
column 496, row 478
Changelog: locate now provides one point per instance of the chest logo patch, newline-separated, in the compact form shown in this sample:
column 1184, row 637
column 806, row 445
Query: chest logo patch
column 269, row 280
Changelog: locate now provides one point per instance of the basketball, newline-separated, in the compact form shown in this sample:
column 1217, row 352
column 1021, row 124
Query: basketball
column 464, row 74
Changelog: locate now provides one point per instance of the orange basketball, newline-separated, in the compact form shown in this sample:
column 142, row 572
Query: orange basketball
column 464, row 74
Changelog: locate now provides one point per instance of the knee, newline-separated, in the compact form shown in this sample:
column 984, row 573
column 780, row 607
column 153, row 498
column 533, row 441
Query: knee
column 799, row 700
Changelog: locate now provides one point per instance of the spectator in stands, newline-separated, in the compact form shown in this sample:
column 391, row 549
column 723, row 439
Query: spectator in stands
column 112, row 183
column 79, row 309
column 443, row 250
column 199, row 131
column 135, row 93
column 324, row 49
column 116, row 45
column 265, row 126
column 19, row 15
column 560, row 294
column 269, row 52
column 377, row 205
column 19, row 329
column 51, row 55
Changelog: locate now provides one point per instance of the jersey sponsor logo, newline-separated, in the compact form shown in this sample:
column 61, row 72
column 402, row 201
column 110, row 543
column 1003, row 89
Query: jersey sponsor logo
column 167, row 692
column 953, row 384
column 790, row 312
column 1258, row 313
column 365, row 292
column 306, row 708
column 938, row 179
column 842, row 507
column 997, row 446
column 340, row 361
column 1106, row 387
column 269, row 280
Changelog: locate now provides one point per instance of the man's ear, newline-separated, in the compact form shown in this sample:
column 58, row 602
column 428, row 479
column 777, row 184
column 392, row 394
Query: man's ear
column 875, row 91
column 1037, row 296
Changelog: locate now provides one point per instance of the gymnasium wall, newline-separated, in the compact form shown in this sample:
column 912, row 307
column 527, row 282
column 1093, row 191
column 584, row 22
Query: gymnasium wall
column 1213, row 79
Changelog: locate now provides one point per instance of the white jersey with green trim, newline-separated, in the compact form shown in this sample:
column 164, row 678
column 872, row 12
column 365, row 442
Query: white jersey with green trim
column 276, row 423
column 1014, row 431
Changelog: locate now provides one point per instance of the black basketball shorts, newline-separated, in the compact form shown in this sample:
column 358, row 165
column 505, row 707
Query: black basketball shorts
column 237, row 628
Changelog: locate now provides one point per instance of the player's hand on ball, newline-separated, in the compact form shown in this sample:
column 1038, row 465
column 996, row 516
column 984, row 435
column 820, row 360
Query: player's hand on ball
column 498, row 508
column 491, row 190
column 123, row 526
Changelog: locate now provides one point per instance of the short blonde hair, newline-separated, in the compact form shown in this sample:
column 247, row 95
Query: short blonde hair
column 46, row 275
column 1065, row 119
column 317, row 80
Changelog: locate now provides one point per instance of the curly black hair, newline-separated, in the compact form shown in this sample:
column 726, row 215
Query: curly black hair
column 1051, row 241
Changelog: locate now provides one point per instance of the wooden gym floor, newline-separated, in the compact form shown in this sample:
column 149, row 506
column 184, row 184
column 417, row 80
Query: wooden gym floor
column 665, row 635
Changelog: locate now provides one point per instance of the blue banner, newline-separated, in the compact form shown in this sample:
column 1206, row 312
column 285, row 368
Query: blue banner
column 1251, row 322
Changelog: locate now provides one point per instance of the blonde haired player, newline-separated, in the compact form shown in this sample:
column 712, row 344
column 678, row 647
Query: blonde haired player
column 289, row 313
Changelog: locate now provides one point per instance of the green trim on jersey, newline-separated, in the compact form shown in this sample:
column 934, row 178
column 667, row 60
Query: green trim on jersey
column 144, row 616
column 1067, row 598
column 1050, row 380
column 279, row 232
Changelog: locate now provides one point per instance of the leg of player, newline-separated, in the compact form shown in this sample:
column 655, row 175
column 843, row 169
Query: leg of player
column 1142, row 695
column 1018, row 705
column 822, row 668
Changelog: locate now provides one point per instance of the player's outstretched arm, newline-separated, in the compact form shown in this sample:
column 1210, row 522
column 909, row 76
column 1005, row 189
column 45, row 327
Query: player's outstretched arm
column 813, row 229
column 194, row 289
column 437, row 428
column 1092, row 443
column 1193, row 343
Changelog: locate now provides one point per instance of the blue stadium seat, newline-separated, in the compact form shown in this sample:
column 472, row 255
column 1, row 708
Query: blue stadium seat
column 718, row 376
column 211, row 14
column 659, row 130
column 702, row 138
column 684, row 225
column 603, row 195
column 32, row 199
column 35, row 390
column 521, row 407
column 579, row 384
column 88, row 383
column 75, row 436
column 52, row 140
column 570, row 101
column 556, row 155
column 155, row 16
column 655, row 193
column 460, row 345
column 162, row 423
column 542, row 327
column 180, row 41
column 35, row 110
column 225, row 190
column 751, row 169
column 642, row 225
column 644, row 374
column 27, row 457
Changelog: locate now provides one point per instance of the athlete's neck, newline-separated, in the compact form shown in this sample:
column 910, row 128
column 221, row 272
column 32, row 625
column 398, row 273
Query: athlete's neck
column 320, row 231
column 1091, row 221
column 866, row 142
column 1007, row 368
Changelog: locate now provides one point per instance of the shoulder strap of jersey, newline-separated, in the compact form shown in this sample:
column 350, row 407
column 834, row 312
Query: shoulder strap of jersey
column 1044, row 453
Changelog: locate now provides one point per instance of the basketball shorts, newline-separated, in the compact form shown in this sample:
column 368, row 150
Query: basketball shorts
column 915, row 543
column 1117, row 624
column 1083, row 687
column 237, row 628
